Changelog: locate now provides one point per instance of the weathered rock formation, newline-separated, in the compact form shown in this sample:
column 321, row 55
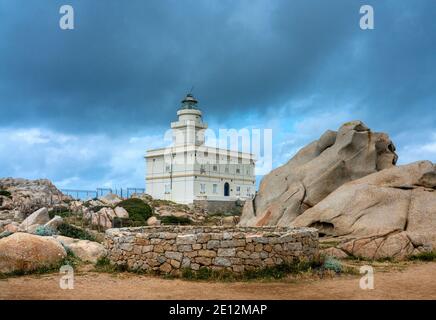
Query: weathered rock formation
column 30, row 195
column 391, row 213
column 317, row 170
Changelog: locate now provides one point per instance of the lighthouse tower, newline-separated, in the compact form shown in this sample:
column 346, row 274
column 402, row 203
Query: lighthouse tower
column 189, row 129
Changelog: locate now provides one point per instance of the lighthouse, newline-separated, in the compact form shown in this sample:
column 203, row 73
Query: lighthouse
column 189, row 171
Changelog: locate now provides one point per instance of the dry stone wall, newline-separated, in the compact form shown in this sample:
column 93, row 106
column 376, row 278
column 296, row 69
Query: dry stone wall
column 169, row 249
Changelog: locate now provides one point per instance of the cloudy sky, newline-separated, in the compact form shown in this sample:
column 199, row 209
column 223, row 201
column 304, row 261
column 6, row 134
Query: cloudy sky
column 80, row 107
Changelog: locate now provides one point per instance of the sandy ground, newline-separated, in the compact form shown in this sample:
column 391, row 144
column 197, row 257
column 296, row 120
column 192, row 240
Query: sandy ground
column 415, row 281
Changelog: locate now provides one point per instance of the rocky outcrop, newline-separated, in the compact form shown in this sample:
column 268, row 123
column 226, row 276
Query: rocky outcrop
column 103, row 218
column 30, row 195
column 23, row 252
column 317, row 170
column 388, row 214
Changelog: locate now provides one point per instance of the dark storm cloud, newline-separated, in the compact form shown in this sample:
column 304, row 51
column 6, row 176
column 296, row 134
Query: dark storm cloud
column 128, row 63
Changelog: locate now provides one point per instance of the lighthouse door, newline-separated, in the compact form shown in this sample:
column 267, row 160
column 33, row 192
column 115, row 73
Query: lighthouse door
column 226, row 189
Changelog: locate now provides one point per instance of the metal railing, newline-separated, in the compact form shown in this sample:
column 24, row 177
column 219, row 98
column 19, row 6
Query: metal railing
column 100, row 192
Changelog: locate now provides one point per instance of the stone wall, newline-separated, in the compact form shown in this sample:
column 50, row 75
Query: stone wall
column 169, row 249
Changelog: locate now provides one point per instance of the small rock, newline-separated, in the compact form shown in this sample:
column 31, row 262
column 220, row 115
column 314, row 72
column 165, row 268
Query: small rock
column 153, row 221
column 12, row 227
column 334, row 252
column 54, row 223
column 120, row 212
column 110, row 199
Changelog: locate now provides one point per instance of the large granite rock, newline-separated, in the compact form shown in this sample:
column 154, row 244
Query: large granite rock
column 317, row 170
column 23, row 252
column 85, row 250
column 391, row 213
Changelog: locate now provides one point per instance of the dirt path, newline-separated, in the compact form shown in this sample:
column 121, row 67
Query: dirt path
column 416, row 281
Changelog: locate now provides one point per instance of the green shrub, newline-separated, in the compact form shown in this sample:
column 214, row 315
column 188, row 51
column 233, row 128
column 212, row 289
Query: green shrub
column 44, row 231
column 175, row 220
column 61, row 213
column 5, row 193
column 5, row 234
column 127, row 223
column 274, row 272
column 138, row 210
column 71, row 231
column 281, row 270
column 424, row 256
column 204, row 273
column 332, row 264
column 103, row 264
column 96, row 208
column 178, row 206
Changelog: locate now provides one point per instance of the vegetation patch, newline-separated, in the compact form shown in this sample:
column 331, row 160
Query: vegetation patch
column 126, row 223
column 5, row 193
column 70, row 260
column 175, row 220
column 45, row 231
column 332, row 264
column 104, row 265
column 138, row 210
column 68, row 230
column 275, row 272
column 424, row 256
column 5, row 234
column 64, row 213
column 177, row 206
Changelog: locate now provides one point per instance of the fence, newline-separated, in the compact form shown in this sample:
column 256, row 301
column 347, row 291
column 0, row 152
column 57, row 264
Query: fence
column 100, row 192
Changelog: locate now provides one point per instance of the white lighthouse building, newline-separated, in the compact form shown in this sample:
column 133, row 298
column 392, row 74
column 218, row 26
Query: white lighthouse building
column 189, row 171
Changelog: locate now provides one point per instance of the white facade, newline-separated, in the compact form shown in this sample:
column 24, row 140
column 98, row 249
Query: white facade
column 189, row 170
